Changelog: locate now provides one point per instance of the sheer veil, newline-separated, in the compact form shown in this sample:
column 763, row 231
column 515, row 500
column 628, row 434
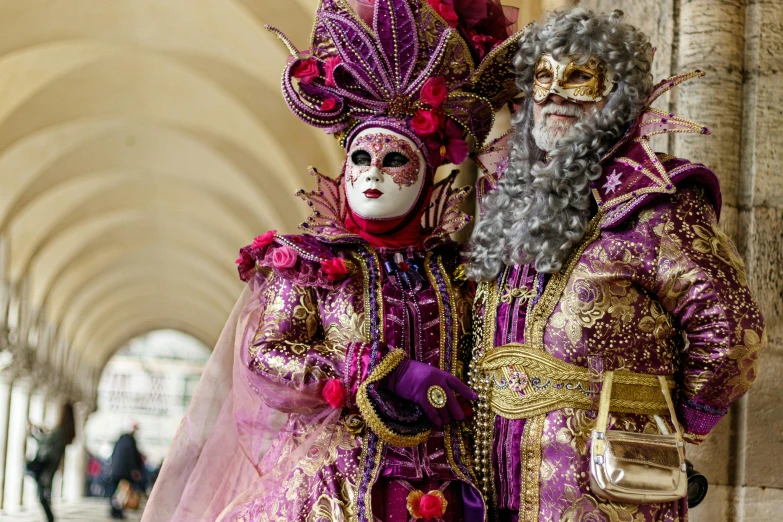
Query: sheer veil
column 225, row 455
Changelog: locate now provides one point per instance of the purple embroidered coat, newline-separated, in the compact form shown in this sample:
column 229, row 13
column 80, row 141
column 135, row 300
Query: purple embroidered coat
column 318, row 326
column 655, row 287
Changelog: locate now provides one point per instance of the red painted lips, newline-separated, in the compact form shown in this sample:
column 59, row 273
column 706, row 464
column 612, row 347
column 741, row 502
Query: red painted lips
column 373, row 193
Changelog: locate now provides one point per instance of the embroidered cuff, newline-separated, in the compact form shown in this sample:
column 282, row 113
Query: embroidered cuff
column 698, row 419
column 376, row 411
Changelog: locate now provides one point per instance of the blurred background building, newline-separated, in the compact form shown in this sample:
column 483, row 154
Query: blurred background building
column 142, row 142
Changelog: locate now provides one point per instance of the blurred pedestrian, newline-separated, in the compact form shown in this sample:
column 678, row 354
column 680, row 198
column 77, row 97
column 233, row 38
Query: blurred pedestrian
column 126, row 464
column 51, row 448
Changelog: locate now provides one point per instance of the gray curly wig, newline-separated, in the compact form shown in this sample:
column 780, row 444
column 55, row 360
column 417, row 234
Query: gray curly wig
column 540, row 211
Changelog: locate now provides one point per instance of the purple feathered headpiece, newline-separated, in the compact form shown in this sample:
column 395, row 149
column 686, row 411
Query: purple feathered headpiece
column 434, row 70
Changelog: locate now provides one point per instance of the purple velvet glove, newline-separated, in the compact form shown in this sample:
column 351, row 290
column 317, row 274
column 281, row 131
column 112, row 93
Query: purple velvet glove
column 411, row 380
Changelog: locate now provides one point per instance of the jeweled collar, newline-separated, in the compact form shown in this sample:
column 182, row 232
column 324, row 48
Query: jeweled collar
column 442, row 218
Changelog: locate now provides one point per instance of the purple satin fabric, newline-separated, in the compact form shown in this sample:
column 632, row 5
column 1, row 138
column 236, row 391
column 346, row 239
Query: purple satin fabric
column 390, row 499
column 659, row 270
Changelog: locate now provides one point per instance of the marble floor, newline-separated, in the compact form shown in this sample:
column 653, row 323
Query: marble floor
column 85, row 510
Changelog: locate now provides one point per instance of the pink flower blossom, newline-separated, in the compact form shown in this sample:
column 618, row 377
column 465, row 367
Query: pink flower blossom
column 334, row 393
column 425, row 123
column 431, row 506
column 434, row 91
column 306, row 71
column 335, row 269
column 446, row 11
column 284, row 257
column 264, row 239
column 331, row 63
column 328, row 104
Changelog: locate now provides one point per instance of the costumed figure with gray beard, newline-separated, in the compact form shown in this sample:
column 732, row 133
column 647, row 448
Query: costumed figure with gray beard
column 613, row 319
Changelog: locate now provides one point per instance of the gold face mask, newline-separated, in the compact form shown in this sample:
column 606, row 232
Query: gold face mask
column 577, row 83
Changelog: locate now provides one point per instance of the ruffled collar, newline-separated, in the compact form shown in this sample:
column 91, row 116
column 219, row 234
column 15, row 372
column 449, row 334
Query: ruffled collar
column 327, row 202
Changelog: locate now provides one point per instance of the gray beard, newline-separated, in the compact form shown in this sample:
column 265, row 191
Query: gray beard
column 546, row 133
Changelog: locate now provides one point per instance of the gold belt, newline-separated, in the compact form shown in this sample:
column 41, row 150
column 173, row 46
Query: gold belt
column 524, row 382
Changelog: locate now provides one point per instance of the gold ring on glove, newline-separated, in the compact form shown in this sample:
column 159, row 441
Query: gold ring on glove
column 436, row 396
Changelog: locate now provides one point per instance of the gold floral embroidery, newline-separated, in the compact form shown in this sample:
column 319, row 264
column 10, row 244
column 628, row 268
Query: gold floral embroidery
column 585, row 301
column 587, row 508
column 577, row 430
column 328, row 509
column 713, row 241
column 659, row 323
column 746, row 355
column 588, row 299
column 296, row 486
column 677, row 273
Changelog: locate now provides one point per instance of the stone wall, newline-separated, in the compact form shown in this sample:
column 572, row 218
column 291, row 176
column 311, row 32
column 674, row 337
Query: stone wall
column 738, row 43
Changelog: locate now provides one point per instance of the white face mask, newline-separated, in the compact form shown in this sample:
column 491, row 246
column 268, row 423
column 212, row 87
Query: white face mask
column 384, row 174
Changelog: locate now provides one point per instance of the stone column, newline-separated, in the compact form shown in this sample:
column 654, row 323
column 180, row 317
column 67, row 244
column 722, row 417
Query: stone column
column 711, row 38
column 35, row 417
column 4, row 291
column 5, row 410
column 75, row 460
column 758, row 475
column 17, row 434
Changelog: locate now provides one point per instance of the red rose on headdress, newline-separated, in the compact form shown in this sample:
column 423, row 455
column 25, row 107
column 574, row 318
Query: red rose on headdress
column 328, row 104
column 284, row 257
column 425, row 123
column 306, row 71
column 264, row 239
column 335, row 269
column 434, row 91
column 334, row 393
column 446, row 11
column 331, row 63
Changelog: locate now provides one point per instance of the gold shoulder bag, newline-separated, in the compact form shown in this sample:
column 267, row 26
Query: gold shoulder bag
column 637, row 468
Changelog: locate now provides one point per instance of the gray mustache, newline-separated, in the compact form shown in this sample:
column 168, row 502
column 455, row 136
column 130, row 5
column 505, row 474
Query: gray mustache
column 562, row 110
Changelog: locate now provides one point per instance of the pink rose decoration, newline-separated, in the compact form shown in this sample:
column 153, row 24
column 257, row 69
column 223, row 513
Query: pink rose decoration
column 331, row 63
column 431, row 506
column 328, row 104
column 446, row 11
column 306, row 71
column 434, row 91
column 425, row 123
column 335, row 269
column 239, row 260
column 284, row 257
column 264, row 239
column 334, row 393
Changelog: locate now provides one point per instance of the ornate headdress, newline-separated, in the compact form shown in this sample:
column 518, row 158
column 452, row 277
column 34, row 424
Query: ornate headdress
column 433, row 70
